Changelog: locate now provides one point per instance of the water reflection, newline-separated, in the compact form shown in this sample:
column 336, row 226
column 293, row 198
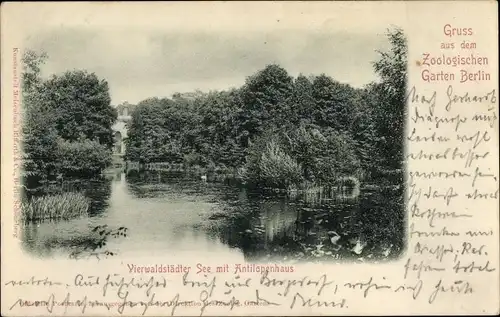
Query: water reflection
column 52, row 237
column 171, row 213
column 280, row 228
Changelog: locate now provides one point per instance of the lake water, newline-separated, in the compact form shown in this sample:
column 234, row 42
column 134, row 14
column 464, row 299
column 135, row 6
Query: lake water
column 167, row 214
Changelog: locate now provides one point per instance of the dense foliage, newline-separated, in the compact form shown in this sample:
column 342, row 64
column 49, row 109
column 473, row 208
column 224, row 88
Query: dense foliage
column 198, row 130
column 281, row 131
column 67, row 124
column 390, row 104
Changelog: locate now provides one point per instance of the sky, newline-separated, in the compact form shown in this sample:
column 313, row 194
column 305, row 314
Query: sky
column 139, row 63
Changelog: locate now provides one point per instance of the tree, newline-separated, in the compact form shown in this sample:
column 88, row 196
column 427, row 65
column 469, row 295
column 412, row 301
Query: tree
column 308, row 129
column 32, row 62
column 391, row 95
column 264, row 97
column 363, row 127
column 146, row 135
column 301, row 101
column 333, row 103
column 66, row 118
column 38, row 128
column 81, row 103
column 219, row 129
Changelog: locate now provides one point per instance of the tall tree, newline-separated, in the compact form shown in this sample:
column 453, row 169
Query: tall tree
column 363, row 129
column 391, row 94
column 82, row 106
column 39, row 133
column 264, row 96
column 32, row 62
column 67, row 117
column 333, row 103
column 302, row 100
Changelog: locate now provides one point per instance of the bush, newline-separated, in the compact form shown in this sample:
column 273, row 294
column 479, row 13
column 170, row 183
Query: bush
column 281, row 159
column 337, row 159
column 61, row 206
column 324, row 155
column 269, row 165
column 277, row 168
column 82, row 159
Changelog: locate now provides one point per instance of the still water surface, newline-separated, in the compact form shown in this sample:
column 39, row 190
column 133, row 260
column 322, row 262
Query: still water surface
column 173, row 215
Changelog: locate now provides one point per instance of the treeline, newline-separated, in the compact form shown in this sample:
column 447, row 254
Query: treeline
column 281, row 131
column 67, row 122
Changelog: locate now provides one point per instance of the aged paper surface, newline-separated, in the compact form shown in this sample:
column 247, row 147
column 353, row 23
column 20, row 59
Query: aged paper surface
column 299, row 158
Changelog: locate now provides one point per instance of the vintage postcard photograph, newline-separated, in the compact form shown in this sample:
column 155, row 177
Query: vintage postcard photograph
column 250, row 158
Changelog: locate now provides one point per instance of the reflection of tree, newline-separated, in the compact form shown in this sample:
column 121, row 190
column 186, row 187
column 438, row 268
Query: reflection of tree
column 91, row 242
column 147, row 184
column 118, row 142
column 94, row 244
column 29, row 240
column 138, row 183
column 309, row 228
column 255, row 225
column 277, row 217
column 99, row 193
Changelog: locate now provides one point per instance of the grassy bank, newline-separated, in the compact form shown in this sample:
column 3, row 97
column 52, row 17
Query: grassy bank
column 60, row 206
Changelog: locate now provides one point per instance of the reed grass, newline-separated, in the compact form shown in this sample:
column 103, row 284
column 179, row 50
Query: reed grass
column 61, row 206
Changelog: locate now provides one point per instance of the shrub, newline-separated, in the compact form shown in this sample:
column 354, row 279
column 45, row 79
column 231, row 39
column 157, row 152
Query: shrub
column 278, row 168
column 269, row 165
column 82, row 158
column 301, row 156
column 324, row 154
column 338, row 158
column 191, row 159
column 61, row 206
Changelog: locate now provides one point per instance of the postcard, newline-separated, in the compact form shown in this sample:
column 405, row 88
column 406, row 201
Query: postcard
column 250, row 158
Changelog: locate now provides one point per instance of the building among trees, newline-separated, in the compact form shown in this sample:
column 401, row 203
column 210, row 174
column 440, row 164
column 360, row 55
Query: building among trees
column 120, row 131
